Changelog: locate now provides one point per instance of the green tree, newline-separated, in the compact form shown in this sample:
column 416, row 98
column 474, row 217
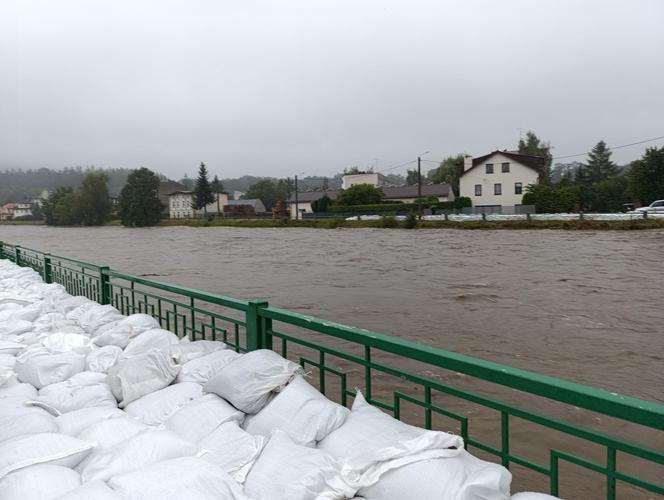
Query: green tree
column 93, row 205
column 646, row 176
column 322, row 204
column 551, row 199
column 51, row 205
column 269, row 192
column 203, row 194
column 533, row 146
column 449, row 171
column 360, row 194
column 139, row 203
column 412, row 177
column 216, row 185
column 187, row 182
column 599, row 169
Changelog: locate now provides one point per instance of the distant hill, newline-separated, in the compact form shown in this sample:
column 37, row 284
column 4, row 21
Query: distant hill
column 17, row 185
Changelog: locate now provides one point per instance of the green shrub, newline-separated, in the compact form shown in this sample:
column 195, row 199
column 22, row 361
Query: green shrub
column 410, row 222
column 374, row 209
column 388, row 221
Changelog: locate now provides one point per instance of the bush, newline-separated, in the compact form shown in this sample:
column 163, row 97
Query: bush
column 388, row 221
column 456, row 204
column 410, row 222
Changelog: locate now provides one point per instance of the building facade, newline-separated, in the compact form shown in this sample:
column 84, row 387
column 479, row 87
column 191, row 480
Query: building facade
column 349, row 180
column 181, row 203
column 499, row 178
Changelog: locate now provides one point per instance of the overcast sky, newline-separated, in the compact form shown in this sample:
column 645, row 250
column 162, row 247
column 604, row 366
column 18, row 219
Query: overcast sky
column 310, row 87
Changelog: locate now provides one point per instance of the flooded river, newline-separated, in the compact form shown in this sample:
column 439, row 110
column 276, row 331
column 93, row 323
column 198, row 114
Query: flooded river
column 585, row 306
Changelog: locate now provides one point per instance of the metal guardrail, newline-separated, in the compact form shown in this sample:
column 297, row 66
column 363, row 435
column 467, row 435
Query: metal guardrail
column 394, row 373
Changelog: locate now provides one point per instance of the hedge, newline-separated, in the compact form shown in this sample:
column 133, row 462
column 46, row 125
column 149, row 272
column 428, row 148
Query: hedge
column 382, row 208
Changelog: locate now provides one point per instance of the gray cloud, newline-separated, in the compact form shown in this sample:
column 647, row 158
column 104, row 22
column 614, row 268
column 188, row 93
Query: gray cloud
column 277, row 88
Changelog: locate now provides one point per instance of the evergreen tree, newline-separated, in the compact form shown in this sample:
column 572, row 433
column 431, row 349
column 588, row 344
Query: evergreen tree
column 187, row 182
column 216, row 185
column 599, row 169
column 203, row 194
column 534, row 147
column 139, row 203
column 646, row 176
column 411, row 177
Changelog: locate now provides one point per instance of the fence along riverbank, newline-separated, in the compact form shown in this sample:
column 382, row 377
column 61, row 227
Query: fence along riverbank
column 603, row 433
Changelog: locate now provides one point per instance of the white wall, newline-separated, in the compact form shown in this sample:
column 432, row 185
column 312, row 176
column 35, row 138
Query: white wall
column 354, row 179
column 179, row 206
column 302, row 206
column 478, row 175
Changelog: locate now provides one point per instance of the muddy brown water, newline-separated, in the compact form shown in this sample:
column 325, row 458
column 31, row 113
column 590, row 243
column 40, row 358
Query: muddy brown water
column 581, row 305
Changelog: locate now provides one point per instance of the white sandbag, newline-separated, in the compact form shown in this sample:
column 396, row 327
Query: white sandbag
column 7, row 361
column 65, row 342
column 19, row 424
column 529, row 495
column 11, row 347
column 84, row 390
column 143, row 449
column 94, row 490
column 187, row 478
column 299, row 410
column 100, row 360
column 7, row 377
column 186, row 351
column 202, row 369
column 44, row 369
column 74, row 422
column 200, row 417
column 45, row 447
column 463, row 477
column 125, row 328
column 68, row 303
column 233, row 449
column 135, row 377
column 26, row 391
column 288, row 470
column 373, row 443
column 110, row 334
column 247, row 381
column 28, row 313
column 75, row 313
column 97, row 316
column 152, row 340
column 39, row 482
column 16, row 327
column 155, row 408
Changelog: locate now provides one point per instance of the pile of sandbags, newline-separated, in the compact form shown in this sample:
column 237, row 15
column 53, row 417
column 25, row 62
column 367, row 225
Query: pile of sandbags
column 97, row 405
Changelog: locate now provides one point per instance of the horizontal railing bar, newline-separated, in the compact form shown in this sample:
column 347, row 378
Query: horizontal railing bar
column 647, row 413
column 574, row 430
column 241, row 305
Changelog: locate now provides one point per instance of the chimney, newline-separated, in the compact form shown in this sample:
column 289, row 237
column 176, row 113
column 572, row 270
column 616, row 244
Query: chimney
column 467, row 162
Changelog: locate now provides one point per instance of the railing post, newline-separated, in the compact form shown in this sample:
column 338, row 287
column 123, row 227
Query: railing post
column 2, row 250
column 48, row 271
column 17, row 255
column 104, row 287
column 255, row 333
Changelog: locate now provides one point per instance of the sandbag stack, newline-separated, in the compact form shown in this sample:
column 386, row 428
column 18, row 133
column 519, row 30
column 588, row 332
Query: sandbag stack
column 97, row 405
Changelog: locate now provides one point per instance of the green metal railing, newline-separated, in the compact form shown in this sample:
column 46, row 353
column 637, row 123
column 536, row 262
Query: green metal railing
column 593, row 442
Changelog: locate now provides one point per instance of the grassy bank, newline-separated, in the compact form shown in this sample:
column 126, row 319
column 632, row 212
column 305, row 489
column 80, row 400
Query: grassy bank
column 389, row 223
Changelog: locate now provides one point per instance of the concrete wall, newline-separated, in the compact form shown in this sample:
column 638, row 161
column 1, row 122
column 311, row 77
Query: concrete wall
column 477, row 175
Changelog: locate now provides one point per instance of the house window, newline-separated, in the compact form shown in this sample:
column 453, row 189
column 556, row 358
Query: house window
column 497, row 189
column 518, row 188
column 489, row 168
column 506, row 167
column 478, row 189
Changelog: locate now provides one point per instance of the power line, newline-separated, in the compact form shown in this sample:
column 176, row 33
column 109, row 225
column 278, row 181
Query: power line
column 397, row 166
column 616, row 147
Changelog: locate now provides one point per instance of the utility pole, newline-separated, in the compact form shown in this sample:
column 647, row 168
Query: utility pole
column 297, row 207
column 419, row 184
column 419, row 187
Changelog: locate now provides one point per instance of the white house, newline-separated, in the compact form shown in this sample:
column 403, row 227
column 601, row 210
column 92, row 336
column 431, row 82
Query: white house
column 349, row 180
column 180, row 205
column 499, row 179
column 22, row 209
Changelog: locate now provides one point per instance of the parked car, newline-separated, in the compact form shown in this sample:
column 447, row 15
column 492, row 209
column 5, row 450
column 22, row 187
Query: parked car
column 656, row 207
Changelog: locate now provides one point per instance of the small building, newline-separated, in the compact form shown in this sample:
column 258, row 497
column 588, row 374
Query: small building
column 244, row 207
column 376, row 180
column 22, row 209
column 181, row 203
column 7, row 211
column 164, row 191
column 400, row 194
column 499, row 178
